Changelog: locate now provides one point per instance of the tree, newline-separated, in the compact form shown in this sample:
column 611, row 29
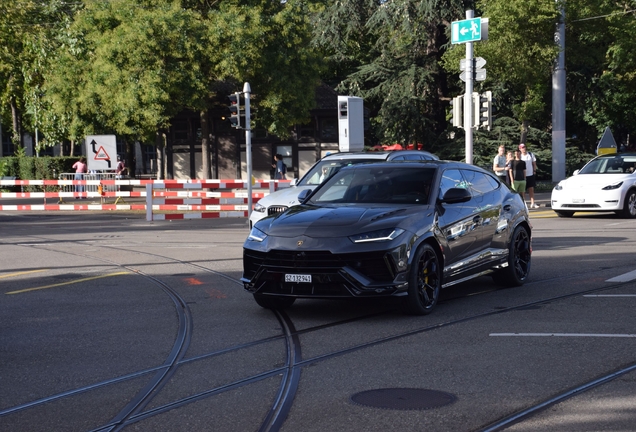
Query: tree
column 601, row 83
column 396, row 47
column 520, row 53
column 27, row 31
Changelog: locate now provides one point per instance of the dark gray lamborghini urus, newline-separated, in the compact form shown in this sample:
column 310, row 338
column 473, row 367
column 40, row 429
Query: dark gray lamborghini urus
column 405, row 229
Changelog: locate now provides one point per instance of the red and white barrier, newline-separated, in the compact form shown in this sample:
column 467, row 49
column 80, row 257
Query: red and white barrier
column 213, row 207
column 174, row 195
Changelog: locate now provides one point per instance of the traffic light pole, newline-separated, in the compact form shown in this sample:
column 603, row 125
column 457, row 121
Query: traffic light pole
column 248, row 147
column 468, row 105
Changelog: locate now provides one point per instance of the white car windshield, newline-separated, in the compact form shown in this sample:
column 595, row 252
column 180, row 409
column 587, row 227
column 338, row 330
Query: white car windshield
column 610, row 165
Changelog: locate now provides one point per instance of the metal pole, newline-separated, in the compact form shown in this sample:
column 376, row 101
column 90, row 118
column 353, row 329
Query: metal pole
column 558, row 104
column 248, row 147
column 468, row 98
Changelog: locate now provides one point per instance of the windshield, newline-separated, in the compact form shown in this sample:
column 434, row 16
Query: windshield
column 610, row 165
column 325, row 168
column 378, row 185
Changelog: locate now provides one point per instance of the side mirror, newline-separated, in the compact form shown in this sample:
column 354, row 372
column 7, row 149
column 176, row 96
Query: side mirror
column 293, row 182
column 575, row 172
column 303, row 195
column 456, row 195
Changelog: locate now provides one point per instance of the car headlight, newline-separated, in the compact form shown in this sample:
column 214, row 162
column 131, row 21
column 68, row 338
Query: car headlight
column 258, row 207
column 379, row 235
column 559, row 186
column 256, row 235
column 613, row 186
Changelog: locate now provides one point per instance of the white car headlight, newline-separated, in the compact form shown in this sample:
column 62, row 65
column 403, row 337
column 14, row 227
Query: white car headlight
column 258, row 207
column 256, row 235
column 559, row 186
column 379, row 235
column 613, row 186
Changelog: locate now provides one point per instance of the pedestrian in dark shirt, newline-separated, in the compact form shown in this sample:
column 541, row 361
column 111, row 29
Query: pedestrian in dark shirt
column 518, row 175
column 280, row 167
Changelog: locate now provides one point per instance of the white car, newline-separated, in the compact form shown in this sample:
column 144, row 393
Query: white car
column 607, row 183
column 282, row 199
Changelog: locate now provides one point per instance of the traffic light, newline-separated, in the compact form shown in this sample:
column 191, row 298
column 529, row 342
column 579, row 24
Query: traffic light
column 482, row 110
column 237, row 116
column 457, row 119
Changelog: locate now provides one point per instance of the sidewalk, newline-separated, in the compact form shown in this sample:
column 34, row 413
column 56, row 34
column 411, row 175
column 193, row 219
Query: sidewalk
column 542, row 199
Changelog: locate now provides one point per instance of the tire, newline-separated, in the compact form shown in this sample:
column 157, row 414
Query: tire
column 519, row 260
column 273, row 302
column 629, row 208
column 564, row 213
column 425, row 282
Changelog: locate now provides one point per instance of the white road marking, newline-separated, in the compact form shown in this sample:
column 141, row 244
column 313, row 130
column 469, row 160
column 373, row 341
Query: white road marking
column 624, row 277
column 564, row 335
column 610, row 295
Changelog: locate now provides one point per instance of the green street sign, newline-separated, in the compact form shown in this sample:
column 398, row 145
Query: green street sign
column 468, row 30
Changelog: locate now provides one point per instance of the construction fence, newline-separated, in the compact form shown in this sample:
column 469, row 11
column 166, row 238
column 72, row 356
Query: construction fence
column 160, row 199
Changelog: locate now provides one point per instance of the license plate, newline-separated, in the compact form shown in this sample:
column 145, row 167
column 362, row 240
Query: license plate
column 578, row 200
column 298, row 278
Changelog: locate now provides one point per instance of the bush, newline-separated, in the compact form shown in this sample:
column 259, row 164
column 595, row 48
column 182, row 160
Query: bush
column 36, row 168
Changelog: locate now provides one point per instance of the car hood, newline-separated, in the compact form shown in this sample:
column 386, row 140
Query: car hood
column 583, row 181
column 287, row 196
column 312, row 221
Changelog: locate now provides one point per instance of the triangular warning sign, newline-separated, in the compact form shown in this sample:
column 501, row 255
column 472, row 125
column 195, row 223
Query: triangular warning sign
column 101, row 154
column 607, row 144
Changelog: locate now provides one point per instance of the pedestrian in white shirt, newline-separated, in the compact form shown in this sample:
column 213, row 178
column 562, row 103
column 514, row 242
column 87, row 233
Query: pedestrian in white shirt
column 499, row 165
column 531, row 170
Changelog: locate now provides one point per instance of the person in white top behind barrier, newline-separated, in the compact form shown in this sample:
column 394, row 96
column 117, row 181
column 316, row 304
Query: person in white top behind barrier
column 119, row 169
column 531, row 170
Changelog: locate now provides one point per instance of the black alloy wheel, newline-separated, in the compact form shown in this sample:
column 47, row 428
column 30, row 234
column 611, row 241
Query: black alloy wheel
column 273, row 302
column 425, row 282
column 519, row 256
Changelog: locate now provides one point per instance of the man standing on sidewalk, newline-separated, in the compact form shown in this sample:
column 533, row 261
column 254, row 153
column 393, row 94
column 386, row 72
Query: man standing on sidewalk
column 499, row 166
column 531, row 169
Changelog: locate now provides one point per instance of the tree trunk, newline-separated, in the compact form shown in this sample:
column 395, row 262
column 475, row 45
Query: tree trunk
column 160, row 146
column 525, row 125
column 129, row 158
column 71, row 152
column 17, row 124
column 205, row 144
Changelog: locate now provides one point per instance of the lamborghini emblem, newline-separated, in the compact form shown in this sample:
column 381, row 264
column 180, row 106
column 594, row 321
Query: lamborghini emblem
column 299, row 243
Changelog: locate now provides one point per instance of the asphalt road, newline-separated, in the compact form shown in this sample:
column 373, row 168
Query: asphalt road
column 109, row 322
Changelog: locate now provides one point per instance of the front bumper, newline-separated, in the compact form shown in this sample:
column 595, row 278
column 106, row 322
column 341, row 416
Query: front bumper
column 366, row 274
column 586, row 201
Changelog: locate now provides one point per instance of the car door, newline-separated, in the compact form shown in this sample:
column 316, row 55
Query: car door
column 487, row 200
column 458, row 224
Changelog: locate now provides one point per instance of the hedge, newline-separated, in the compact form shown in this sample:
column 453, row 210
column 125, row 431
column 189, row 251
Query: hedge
column 35, row 168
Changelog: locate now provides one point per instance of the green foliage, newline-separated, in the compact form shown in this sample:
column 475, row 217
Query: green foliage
column 601, row 40
column 393, row 52
column 32, row 168
column 267, row 44
column 129, row 67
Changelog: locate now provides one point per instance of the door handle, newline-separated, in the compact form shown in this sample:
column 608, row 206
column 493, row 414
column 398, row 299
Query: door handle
column 507, row 207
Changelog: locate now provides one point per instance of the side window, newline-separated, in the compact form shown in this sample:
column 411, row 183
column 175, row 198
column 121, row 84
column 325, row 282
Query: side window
column 451, row 178
column 478, row 182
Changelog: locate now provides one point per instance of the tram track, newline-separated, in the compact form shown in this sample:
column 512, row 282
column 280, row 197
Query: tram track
column 290, row 372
